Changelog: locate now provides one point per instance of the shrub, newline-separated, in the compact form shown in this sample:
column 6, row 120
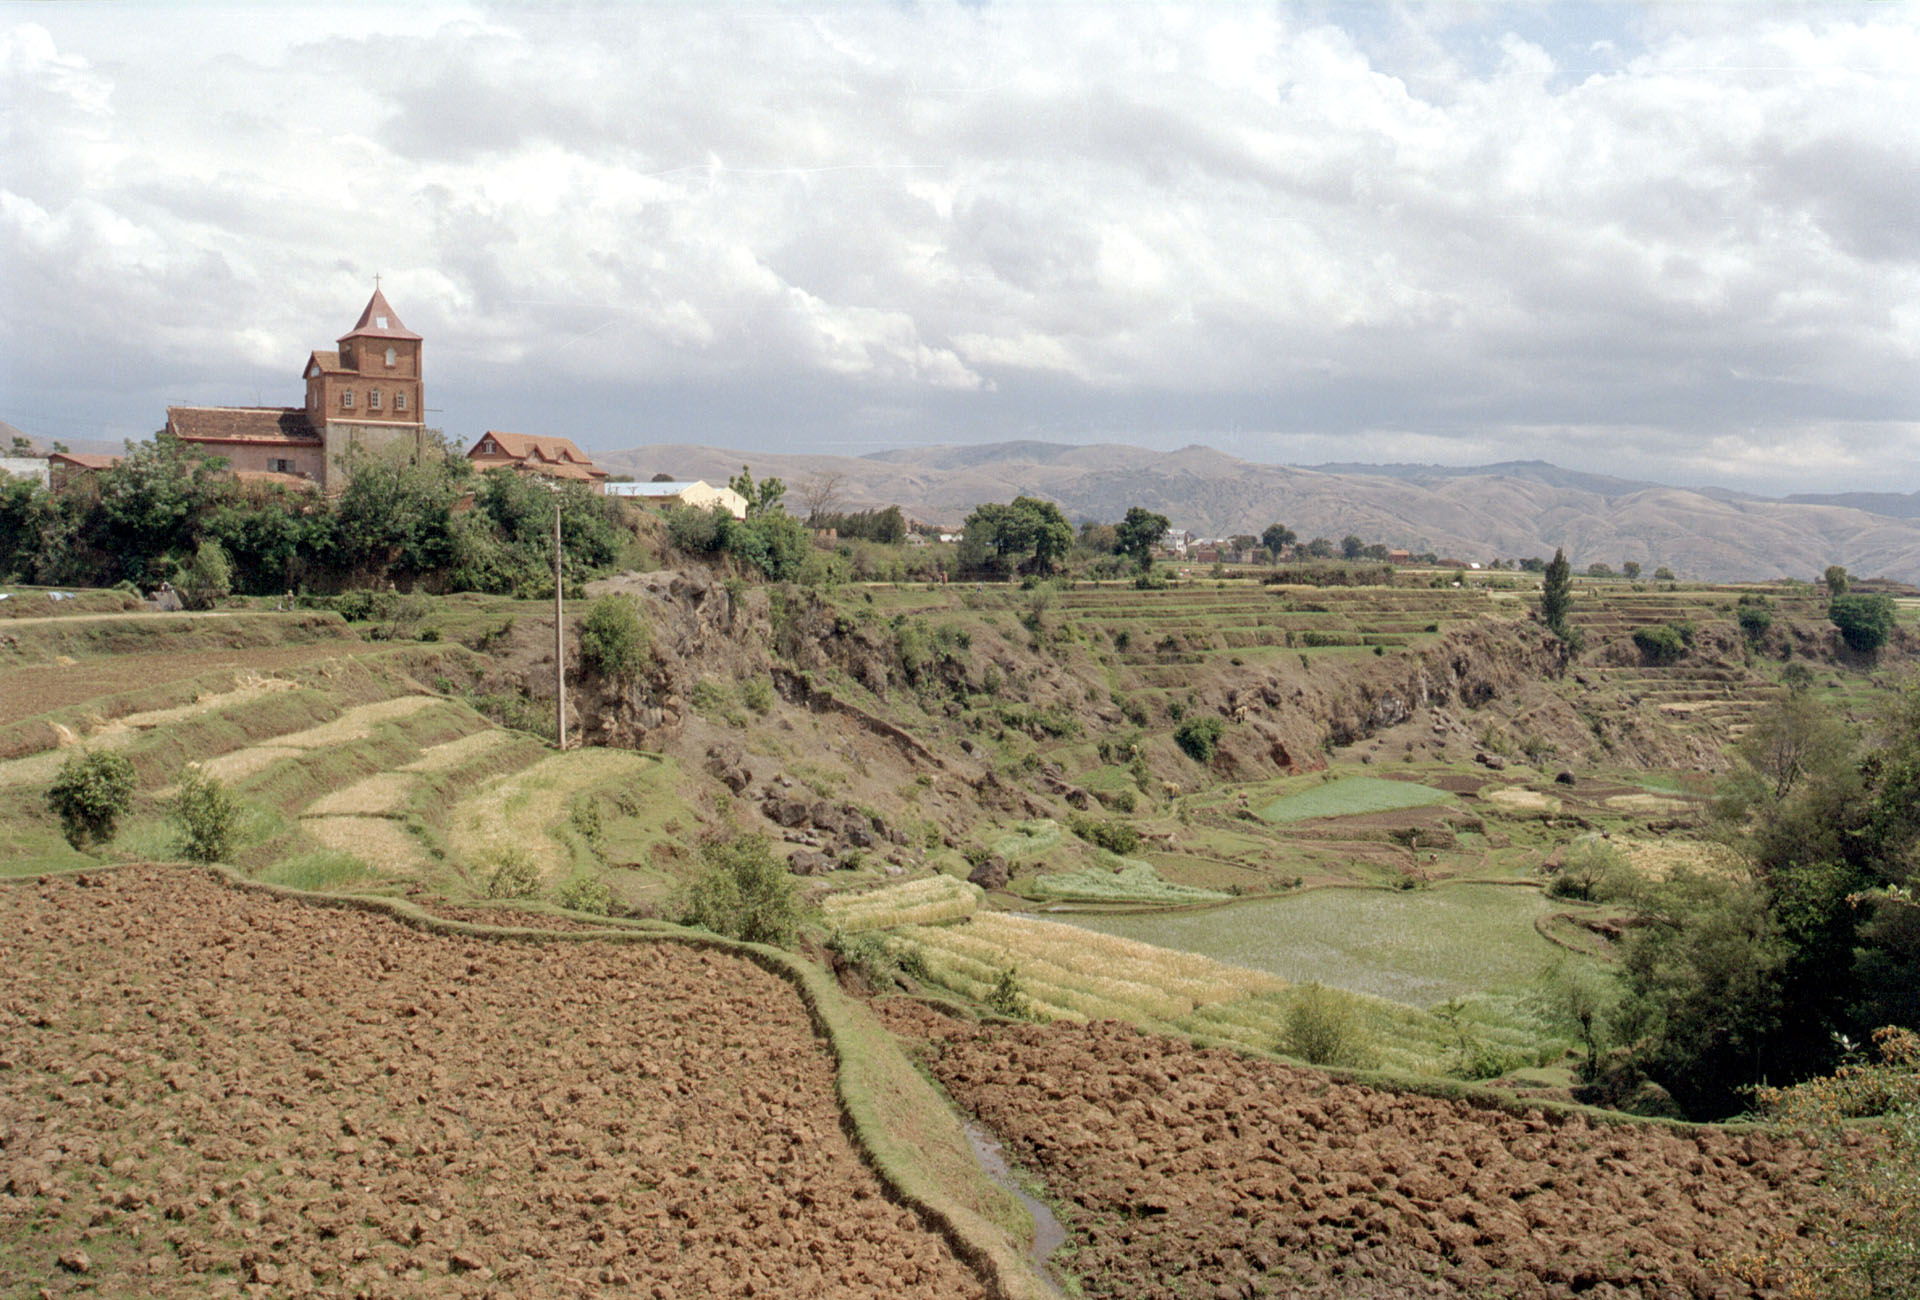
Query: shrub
column 585, row 894
column 90, row 793
column 1865, row 622
column 1009, row 998
column 208, row 579
column 1110, row 834
column 744, row 893
column 758, row 695
column 1662, row 644
column 613, row 641
column 1755, row 614
column 514, row 876
column 1325, row 1027
column 1200, row 737
column 208, row 815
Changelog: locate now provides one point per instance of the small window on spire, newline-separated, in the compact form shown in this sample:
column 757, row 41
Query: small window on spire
column 379, row 322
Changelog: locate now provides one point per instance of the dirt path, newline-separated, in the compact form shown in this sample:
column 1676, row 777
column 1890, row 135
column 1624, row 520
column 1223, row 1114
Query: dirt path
column 203, row 1089
column 1186, row 1172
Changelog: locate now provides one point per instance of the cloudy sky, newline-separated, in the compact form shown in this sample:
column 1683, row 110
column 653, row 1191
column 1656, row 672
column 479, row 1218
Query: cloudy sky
column 1671, row 242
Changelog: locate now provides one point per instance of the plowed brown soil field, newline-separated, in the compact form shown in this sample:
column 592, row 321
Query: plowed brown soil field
column 1184, row 1172
column 208, row 1091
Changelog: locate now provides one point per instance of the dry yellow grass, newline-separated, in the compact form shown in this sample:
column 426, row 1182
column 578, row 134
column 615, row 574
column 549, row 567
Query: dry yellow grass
column 381, row 794
column 1648, row 803
column 1658, row 859
column 1070, row 973
column 245, row 762
column 356, row 723
column 118, row 733
column 518, row 811
column 452, row 753
column 1516, row 798
column 380, row 842
column 914, row 902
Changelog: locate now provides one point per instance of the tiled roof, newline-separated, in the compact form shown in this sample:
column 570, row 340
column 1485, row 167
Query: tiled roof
column 328, row 360
column 86, row 460
column 253, row 424
column 552, row 469
column 379, row 321
column 523, row 446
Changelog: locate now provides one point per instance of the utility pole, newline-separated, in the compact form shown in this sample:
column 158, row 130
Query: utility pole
column 559, row 636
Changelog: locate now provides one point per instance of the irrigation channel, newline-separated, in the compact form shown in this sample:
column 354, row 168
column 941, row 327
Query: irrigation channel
column 1048, row 1234
column 1416, row 947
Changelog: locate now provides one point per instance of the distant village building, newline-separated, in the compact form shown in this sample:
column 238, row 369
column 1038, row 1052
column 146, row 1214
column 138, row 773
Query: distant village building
column 367, row 394
column 539, row 455
column 28, row 467
column 67, row 469
column 699, row 494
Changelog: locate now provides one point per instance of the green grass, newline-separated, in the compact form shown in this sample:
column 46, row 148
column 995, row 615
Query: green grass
column 1121, row 880
column 321, row 871
column 1418, row 947
column 1352, row 795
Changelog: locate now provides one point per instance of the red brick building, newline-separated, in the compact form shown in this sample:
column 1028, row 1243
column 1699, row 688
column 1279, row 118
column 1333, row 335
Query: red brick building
column 536, row 454
column 365, row 394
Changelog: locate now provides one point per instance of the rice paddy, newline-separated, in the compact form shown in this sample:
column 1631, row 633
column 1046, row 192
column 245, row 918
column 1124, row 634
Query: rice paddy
column 1420, row 947
column 916, row 902
column 1350, row 796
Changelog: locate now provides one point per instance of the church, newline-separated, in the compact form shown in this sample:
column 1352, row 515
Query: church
column 364, row 394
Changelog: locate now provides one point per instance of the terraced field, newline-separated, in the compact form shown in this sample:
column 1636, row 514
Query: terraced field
column 212, row 1091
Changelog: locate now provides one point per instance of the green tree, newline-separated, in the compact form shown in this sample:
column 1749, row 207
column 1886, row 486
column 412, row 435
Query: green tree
column 1865, row 621
column 743, row 893
column 1836, row 580
column 1199, row 737
column 775, row 543
column 1663, row 574
column 26, row 512
column 1632, row 569
column 209, row 579
column 613, row 641
column 762, row 498
column 1027, row 535
column 89, row 795
column 1138, row 534
column 1661, row 643
column 1578, row 1000
column 1352, row 546
column 1277, row 538
column 1320, row 548
column 1556, row 595
column 209, row 817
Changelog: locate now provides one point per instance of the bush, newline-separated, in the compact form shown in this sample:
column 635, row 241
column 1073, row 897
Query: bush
column 90, row 793
column 1865, row 622
column 1662, row 644
column 1112, row 835
column 744, row 893
column 514, row 876
column 585, row 894
column 1009, row 998
column 1200, row 737
column 757, row 694
column 1755, row 614
column 208, row 579
column 1325, row 1027
column 613, row 641
column 208, row 815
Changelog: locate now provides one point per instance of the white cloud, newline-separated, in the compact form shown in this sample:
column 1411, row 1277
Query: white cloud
column 1429, row 231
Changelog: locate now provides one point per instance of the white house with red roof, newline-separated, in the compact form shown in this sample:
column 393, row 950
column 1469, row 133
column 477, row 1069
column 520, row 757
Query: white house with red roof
column 365, row 395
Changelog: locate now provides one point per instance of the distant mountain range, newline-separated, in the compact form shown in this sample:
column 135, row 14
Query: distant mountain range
column 1518, row 508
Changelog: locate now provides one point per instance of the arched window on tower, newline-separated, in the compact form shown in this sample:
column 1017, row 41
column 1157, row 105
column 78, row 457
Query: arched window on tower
column 400, row 400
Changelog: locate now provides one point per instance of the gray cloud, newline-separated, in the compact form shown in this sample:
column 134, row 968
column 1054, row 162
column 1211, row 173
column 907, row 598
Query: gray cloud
column 1440, row 233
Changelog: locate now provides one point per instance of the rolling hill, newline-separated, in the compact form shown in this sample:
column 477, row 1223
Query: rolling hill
column 1513, row 509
